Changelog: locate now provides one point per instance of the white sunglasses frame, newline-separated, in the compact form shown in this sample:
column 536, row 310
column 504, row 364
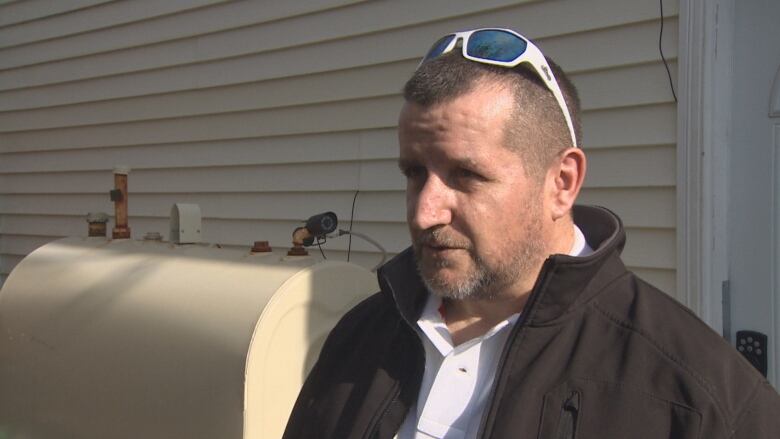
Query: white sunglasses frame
column 532, row 55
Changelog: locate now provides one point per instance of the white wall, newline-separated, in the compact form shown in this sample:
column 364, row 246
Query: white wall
column 267, row 112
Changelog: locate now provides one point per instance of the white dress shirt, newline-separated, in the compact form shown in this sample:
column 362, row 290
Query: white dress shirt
column 458, row 380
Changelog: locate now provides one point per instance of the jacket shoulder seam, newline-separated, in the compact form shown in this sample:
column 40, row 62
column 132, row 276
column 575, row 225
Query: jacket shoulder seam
column 703, row 383
column 744, row 409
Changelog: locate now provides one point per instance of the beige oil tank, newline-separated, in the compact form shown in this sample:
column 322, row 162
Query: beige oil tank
column 146, row 339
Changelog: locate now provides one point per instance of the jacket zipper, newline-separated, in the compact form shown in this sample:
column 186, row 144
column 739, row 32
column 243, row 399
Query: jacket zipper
column 570, row 411
column 374, row 430
column 529, row 306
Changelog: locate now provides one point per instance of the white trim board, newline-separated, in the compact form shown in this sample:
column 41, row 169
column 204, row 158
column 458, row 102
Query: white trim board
column 703, row 117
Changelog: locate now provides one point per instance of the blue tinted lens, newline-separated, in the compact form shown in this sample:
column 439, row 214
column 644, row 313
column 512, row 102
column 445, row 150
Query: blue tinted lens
column 495, row 45
column 438, row 47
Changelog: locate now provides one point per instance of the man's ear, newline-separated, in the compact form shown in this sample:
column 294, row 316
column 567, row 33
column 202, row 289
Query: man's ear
column 565, row 178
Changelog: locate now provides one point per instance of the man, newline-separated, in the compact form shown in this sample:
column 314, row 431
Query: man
column 512, row 315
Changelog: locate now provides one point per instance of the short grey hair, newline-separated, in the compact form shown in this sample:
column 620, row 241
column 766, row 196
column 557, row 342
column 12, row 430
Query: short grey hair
column 536, row 127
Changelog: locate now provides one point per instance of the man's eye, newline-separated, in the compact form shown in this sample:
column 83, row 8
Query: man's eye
column 468, row 174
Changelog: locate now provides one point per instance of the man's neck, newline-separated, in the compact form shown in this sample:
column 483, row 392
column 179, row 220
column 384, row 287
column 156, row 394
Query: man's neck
column 468, row 319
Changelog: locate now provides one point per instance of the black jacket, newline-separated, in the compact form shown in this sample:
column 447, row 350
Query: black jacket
column 597, row 353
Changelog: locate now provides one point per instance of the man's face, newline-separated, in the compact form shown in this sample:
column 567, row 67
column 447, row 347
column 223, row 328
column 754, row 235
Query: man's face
column 476, row 219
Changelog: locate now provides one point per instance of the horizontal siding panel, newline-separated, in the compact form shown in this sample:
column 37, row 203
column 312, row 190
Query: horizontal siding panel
column 650, row 248
column 27, row 10
column 365, row 82
column 398, row 44
column 622, row 45
column 61, row 225
column 636, row 85
column 381, row 175
column 196, row 35
column 656, row 209
column 340, row 116
column 620, row 127
column 632, row 167
column 335, row 176
column 124, row 24
column 325, row 147
column 644, row 125
column 619, row 87
column 103, row 14
column 375, row 16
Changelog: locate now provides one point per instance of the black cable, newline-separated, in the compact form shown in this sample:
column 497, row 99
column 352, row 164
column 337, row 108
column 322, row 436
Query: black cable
column 319, row 244
column 351, row 217
column 661, row 49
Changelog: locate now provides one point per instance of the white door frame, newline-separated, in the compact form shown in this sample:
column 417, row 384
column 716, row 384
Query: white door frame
column 703, row 121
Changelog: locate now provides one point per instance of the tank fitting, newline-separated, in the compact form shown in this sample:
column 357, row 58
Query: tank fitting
column 97, row 224
column 261, row 247
column 300, row 236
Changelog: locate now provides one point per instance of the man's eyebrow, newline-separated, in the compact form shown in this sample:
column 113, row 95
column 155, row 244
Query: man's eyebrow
column 467, row 162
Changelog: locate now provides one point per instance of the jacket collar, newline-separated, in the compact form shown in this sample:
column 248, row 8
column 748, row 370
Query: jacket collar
column 563, row 284
column 400, row 279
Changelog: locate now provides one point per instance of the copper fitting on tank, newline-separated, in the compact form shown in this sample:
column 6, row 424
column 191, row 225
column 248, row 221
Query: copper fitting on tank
column 97, row 224
column 261, row 247
column 119, row 197
column 299, row 236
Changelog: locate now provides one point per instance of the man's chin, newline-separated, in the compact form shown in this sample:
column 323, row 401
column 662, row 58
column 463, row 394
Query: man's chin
column 447, row 282
column 444, row 256
column 442, row 267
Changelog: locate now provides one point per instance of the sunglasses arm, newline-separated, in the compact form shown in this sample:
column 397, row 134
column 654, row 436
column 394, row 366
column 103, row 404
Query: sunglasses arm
column 546, row 74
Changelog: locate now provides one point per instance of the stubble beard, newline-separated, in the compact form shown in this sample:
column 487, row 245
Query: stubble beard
column 483, row 281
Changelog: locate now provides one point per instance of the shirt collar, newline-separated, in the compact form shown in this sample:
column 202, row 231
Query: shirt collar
column 580, row 247
column 584, row 276
column 433, row 325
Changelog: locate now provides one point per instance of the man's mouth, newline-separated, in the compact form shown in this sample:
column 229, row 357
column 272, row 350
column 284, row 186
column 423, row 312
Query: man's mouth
column 439, row 245
column 441, row 249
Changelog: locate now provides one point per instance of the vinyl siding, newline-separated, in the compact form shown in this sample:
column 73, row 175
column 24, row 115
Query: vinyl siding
column 265, row 113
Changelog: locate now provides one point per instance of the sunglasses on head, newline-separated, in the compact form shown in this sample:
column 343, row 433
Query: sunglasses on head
column 507, row 48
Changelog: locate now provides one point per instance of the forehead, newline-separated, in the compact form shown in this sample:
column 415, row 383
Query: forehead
column 486, row 97
column 472, row 122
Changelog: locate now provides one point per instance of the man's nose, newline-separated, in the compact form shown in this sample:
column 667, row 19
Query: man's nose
column 432, row 205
